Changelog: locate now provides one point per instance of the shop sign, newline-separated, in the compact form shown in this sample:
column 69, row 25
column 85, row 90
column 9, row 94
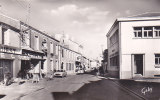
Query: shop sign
column 7, row 49
column 2, row 55
column 12, row 56
column 24, row 57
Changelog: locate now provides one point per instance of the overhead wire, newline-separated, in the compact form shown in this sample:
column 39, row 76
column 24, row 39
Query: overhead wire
column 27, row 8
column 21, row 5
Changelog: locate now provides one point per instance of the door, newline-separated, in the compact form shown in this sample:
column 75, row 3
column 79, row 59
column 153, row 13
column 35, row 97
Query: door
column 5, row 64
column 138, row 64
column 1, row 70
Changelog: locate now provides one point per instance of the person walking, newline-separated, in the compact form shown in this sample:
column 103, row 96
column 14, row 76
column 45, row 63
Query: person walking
column 35, row 75
column 7, row 76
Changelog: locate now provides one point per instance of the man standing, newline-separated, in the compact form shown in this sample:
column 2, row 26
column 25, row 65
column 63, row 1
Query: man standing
column 35, row 74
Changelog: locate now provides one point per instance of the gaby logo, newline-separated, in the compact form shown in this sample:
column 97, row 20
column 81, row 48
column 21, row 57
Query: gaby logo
column 146, row 90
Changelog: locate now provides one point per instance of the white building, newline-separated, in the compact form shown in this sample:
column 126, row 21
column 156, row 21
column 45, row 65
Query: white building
column 133, row 47
column 70, row 54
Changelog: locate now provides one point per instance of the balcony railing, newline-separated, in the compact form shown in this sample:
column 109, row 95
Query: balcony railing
column 9, row 49
column 44, row 49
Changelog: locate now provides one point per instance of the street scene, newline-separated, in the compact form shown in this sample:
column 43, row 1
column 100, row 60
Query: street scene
column 82, row 87
column 79, row 50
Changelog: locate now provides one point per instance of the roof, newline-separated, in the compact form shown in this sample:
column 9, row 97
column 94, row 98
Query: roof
column 16, row 24
column 50, row 36
column 9, row 21
column 147, row 14
column 140, row 17
column 144, row 16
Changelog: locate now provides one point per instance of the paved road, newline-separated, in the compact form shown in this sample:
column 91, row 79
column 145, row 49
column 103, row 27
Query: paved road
column 80, row 87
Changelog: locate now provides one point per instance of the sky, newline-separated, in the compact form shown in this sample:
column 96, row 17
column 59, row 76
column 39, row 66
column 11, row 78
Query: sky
column 87, row 21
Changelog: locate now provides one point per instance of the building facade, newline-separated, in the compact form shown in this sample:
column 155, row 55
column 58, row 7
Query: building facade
column 133, row 49
column 86, row 62
column 105, row 60
column 70, row 57
column 22, row 46
column 10, row 46
column 40, row 49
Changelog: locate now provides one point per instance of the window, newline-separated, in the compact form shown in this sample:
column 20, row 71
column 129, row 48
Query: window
column 36, row 42
column 67, row 67
column 147, row 32
column 70, row 66
column 157, row 59
column 44, row 43
column 51, row 47
column 5, row 36
column 114, row 38
column 157, row 31
column 114, row 61
column 25, row 39
column 56, row 49
column 62, row 53
column 150, row 34
column 137, row 32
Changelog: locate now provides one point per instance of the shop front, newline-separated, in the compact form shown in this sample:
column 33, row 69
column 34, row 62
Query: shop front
column 9, row 61
column 33, row 59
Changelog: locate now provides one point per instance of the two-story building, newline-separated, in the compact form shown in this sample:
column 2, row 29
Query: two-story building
column 10, row 46
column 22, row 45
column 69, row 54
column 133, row 49
column 40, row 49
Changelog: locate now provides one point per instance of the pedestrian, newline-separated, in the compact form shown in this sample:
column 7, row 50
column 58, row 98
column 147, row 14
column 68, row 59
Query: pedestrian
column 28, row 74
column 19, row 77
column 50, row 75
column 7, row 76
column 35, row 75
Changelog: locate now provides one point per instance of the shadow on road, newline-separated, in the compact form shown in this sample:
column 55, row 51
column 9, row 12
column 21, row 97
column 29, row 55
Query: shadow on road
column 96, row 90
column 84, row 93
column 1, row 96
column 62, row 96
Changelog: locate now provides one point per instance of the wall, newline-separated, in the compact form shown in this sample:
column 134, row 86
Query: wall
column 14, row 38
column 131, row 45
column 113, row 70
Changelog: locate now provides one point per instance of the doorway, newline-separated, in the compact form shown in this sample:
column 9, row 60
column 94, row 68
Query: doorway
column 5, row 64
column 138, row 64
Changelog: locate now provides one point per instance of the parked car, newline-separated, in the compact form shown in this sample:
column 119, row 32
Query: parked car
column 60, row 73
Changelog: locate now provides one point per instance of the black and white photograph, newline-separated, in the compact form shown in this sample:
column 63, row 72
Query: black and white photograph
column 79, row 49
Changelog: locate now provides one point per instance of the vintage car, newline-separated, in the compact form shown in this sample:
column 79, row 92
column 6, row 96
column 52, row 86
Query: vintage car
column 60, row 73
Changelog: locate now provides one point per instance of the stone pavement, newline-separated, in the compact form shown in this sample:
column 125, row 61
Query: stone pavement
column 16, row 91
column 72, row 83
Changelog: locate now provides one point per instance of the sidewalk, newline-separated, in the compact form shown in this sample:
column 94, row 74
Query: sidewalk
column 16, row 91
column 149, row 79
column 140, row 79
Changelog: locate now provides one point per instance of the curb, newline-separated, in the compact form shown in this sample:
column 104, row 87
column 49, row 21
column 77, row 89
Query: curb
column 127, row 89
